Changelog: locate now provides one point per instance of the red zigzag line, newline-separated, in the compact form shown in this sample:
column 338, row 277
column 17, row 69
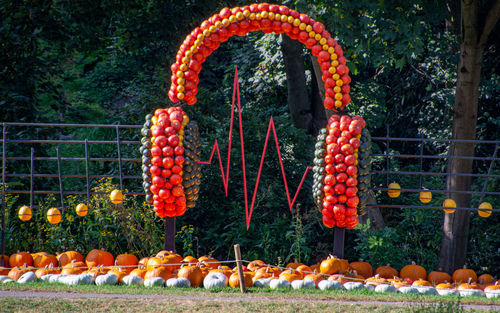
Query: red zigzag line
column 225, row 176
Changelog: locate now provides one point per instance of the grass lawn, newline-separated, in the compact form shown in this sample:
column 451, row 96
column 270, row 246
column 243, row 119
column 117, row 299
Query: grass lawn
column 231, row 300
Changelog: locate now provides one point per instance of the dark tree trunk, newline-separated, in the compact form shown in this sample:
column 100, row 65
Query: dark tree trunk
column 298, row 99
column 456, row 225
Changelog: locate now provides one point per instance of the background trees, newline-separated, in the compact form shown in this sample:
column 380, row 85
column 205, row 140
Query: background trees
column 107, row 62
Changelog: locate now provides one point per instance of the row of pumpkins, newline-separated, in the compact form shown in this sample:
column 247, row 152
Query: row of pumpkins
column 175, row 271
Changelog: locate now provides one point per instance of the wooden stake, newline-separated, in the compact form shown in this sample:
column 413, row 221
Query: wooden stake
column 237, row 254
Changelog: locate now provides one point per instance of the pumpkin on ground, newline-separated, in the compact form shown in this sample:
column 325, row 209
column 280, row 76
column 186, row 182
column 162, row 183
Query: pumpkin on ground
column 408, row 290
column 363, row 268
column 138, row 272
column 49, row 269
column 316, row 278
column 120, row 273
column 45, row 259
column 107, row 279
column 192, row 273
column 279, row 283
column 329, row 285
column 127, row 262
column 234, row 280
column 492, row 291
column 352, row 285
column 27, row 277
column 178, row 282
column 437, row 277
column 21, row 258
column 463, row 275
column 413, row 272
column 215, row 280
column 98, row 257
column 303, row 284
column 130, row 280
column 376, row 280
column 421, row 282
column 68, row 257
column 386, row 271
column 262, row 282
column 385, row 288
column 162, row 272
column 154, row 281
column 427, row 290
column 17, row 272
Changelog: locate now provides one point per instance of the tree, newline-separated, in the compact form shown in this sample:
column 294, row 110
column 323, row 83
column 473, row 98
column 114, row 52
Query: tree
column 477, row 21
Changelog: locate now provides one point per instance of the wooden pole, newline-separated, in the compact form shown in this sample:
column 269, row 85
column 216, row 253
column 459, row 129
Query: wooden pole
column 338, row 242
column 237, row 254
column 169, row 223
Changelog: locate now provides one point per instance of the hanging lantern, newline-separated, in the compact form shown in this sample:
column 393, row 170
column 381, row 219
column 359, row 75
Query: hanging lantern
column 54, row 216
column 116, row 196
column 425, row 196
column 81, row 209
column 394, row 193
column 449, row 203
column 25, row 213
column 487, row 207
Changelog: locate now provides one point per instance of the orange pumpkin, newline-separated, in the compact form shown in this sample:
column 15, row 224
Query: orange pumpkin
column 211, row 263
column 463, row 275
column 444, row 286
column 127, row 261
column 270, row 269
column 163, row 253
column 413, row 272
column 469, row 285
column 162, row 272
column 49, row 269
column 99, row 257
column 376, row 280
column 315, row 268
column 96, row 271
column 68, row 256
column 386, row 271
column 190, row 260
column 193, row 273
column 119, row 272
column 316, row 278
column 485, row 279
column 21, row 258
column 143, row 262
column 224, row 270
column 73, row 268
column 290, row 275
column 255, row 265
column 330, row 266
column 496, row 286
column 234, row 280
column 438, row 277
column 4, row 270
column 421, row 282
column 138, row 272
column 304, row 270
column 293, row 265
column 17, row 272
column 363, row 268
column 45, row 259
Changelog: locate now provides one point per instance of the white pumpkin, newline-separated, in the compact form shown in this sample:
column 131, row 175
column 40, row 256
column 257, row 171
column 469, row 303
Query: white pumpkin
column 5, row 281
column 471, row 293
column 408, row 290
column 86, row 279
column 132, row 280
column 385, row 288
column 46, row 278
column 329, row 285
column 154, row 281
column 27, row 277
column 447, row 292
column 71, row 280
column 492, row 294
column 107, row 279
column 427, row 290
column 353, row 285
column 369, row 287
column 262, row 283
column 54, row 278
column 279, row 283
column 303, row 284
column 3, row 277
column 215, row 280
column 178, row 282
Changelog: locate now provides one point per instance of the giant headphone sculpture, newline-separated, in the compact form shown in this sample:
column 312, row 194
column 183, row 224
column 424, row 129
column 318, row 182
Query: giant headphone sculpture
column 171, row 141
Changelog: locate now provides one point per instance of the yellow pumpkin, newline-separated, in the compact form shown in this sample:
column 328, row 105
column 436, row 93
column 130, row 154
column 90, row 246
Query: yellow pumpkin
column 116, row 196
column 54, row 216
column 450, row 203
column 25, row 213
column 396, row 192
column 485, row 209
column 81, row 209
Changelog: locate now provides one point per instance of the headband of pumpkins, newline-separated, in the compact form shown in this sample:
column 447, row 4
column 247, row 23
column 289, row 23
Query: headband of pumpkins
column 269, row 18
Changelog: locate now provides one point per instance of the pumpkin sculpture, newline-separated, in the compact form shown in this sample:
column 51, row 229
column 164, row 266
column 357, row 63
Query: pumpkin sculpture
column 413, row 272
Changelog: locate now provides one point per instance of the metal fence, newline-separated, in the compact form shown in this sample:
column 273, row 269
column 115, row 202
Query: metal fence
column 118, row 158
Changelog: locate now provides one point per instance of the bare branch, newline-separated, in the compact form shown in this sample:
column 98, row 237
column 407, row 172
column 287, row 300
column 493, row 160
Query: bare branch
column 491, row 20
